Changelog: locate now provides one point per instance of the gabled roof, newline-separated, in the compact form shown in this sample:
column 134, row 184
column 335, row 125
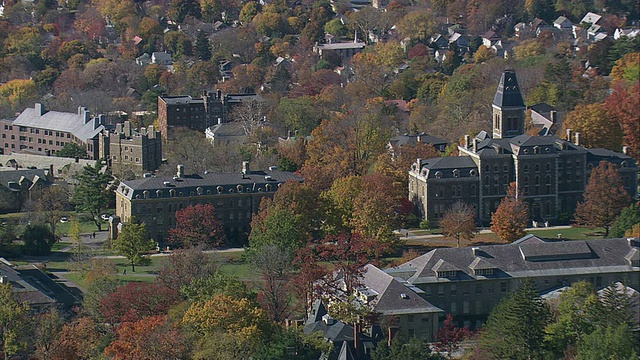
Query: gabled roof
column 449, row 162
column 17, row 175
column 560, row 20
column 491, row 35
column 73, row 123
column 508, row 93
column 393, row 298
column 525, row 259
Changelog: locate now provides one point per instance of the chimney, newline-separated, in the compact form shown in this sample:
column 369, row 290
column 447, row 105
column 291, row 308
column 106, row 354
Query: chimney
column 355, row 338
column 577, row 142
column 86, row 115
column 219, row 121
column 475, row 250
column 102, row 118
column 554, row 116
column 289, row 134
column 466, row 141
column 219, row 94
column 151, row 132
column 40, row 110
column 119, row 128
column 475, row 145
column 180, row 172
column 96, row 122
column 569, row 132
column 419, row 163
column 625, row 150
column 127, row 129
column 419, row 138
column 245, row 168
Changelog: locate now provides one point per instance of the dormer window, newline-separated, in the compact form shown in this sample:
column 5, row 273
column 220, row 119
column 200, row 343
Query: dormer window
column 448, row 274
column 456, row 173
column 219, row 189
column 438, row 175
column 239, row 187
column 483, row 272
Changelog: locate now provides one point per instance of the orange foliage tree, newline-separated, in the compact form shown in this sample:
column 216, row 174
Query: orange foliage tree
column 511, row 216
column 604, row 198
column 623, row 105
column 146, row 339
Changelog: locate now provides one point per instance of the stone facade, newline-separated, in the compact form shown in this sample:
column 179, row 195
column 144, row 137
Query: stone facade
column 154, row 200
column 197, row 113
column 469, row 282
column 551, row 173
column 131, row 150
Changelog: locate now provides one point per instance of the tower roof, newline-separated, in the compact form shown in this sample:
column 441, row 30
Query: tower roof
column 508, row 93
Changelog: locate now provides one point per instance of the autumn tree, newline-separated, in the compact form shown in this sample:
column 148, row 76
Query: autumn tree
column 146, row 338
column 184, row 266
column 132, row 243
column 197, row 225
column 511, row 216
column 459, row 222
column 396, row 164
column 16, row 94
column 418, row 25
column 78, row 339
column 137, row 300
column 52, row 204
column 274, row 265
column 91, row 195
column 603, row 199
column 13, row 319
column 622, row 106
column 451, row 336
column 596, row 128
column 628, row 217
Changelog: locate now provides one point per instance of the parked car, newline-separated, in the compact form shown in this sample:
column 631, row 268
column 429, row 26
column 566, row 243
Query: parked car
column 105, row 217
column 64, row 219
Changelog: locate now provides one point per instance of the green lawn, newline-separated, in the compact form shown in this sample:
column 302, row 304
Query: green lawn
column 62, row 229
column 573, row 233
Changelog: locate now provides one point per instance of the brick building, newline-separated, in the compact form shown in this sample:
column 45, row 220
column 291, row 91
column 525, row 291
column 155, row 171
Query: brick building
column 41, row 132
column 154, row 200
column 198, row 113
column 550, row 172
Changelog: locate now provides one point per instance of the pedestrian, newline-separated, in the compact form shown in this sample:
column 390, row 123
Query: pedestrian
column 124, row 272
column 93, row 235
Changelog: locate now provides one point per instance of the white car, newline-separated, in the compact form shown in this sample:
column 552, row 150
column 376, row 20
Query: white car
column 64, row 219
column 105, row 217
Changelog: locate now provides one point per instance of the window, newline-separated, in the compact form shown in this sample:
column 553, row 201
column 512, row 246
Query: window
column 454, row 290
column 454, row 307
column 474, row 190
column 547, row 181
column 547, row 167
column 465, row 307
column 537, row 167
column 503, row 287
column 478, row 288
column 411, row 318
column 456, row 173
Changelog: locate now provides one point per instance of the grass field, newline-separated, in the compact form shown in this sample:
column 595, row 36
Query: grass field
column 62, row 229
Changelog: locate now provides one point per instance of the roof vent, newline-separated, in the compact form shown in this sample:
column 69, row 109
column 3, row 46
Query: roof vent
column 167, row 183
column 147, row 175
column 268, row 177
column 273, row 168
column 327, row 319
column 404, row 296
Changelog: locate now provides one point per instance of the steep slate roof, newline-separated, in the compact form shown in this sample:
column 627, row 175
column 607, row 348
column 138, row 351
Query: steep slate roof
column 528, row 258
column 39, row 161
column 24, row 290
column 449, row 162
column 251, row 182
column 508, row 93
column 389, row 299
column 15, row 175
column 59, row 121
column 406, row 139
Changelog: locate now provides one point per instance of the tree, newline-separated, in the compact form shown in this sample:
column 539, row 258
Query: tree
column 401, row 349
column 52, row 203
column 184, row 266
column 450, row 336
column 78, row 339
column 459, row 222
column 13, row 318
column 277, row 225
column 612, row 342
column 574, row 317
column 91, row 194
column 628, row 217
column 72, row 150
column 178, row 43
column 274, row 265
column 511, row 216
column 515, row 327
column 596, row 128
column 137, row 300
column 418, row 25
column 16, row 94
column 146, row 338
column 132, row 243
column 37, row 239
column 197, row 225
column 622, row 105
column 203, row 48
column 180, row 9
column 46, row 327
column 204, row 288
column 603, row 199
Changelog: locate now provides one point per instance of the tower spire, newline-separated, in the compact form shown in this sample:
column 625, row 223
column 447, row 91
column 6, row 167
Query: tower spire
column 508, row 107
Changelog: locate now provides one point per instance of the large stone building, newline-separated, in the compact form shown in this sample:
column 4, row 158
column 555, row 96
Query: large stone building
column 131, row 150
column 154, row 200
column 41, row 132
column 22, row 185
column 469, row 282
column 550, row 172
column 197, row 113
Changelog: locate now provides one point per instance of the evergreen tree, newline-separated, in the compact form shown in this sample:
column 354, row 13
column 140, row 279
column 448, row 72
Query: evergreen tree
column 203, row 48
column 515, row 327
column 91, row 194
column 628, row 217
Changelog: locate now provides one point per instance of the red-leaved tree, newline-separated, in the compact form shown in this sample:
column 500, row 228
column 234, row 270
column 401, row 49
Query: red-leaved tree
column 511, row 216
column 146, row 339
column 450, row 336
column 197, row 225
column 137, row 300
